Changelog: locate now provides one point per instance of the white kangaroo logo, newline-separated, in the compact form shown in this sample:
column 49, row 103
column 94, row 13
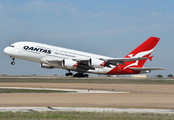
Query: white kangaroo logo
column 141, row 54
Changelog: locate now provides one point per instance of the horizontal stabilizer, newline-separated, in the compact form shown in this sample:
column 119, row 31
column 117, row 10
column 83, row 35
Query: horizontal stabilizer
column 144, row 69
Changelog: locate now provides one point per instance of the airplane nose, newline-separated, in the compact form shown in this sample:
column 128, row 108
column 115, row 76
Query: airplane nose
column 7, row 51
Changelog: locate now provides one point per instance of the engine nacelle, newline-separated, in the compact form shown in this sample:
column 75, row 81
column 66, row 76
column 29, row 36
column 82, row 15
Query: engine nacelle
column 96, row 63
column 46, row 66
column 69, row 64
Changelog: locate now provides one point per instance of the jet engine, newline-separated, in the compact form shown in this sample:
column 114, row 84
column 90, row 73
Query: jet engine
column 69, row 64
column 96, row 63
column 46, row 66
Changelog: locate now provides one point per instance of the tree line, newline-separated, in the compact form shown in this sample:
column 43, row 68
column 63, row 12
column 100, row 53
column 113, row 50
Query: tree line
column 161, row 76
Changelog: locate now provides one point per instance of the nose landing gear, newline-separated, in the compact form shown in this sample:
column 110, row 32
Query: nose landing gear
column 13, row 62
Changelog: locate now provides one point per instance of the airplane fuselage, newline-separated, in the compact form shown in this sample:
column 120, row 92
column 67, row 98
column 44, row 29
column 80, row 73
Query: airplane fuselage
column 38, row 52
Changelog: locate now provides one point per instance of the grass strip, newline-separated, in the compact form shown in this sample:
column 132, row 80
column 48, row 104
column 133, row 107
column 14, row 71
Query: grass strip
column 3, row 90
column 82, row 80
column 83, row 116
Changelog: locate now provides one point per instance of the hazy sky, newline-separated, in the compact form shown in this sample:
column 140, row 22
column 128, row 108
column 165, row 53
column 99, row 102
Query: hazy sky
column 112, row 28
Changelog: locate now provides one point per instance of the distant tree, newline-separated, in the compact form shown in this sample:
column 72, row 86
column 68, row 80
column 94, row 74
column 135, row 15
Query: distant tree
column 170, row 76
column 159, row 76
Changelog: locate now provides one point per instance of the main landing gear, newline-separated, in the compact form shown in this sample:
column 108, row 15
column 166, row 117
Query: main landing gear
column 69, row 74
column 79, row 74
column 13, row 62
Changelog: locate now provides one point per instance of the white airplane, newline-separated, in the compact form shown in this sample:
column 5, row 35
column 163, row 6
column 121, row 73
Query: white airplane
column 51, row 57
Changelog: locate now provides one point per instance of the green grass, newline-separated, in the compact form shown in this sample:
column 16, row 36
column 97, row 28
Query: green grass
column 86, row 80
column 83, row 116
column 2, row 90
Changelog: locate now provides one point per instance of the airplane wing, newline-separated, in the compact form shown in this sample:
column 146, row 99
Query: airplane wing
column 116, row 61
column 83, row 63
column 144, row 69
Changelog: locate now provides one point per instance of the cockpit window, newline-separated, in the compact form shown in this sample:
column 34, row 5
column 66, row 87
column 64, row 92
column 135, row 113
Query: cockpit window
column 11, row 46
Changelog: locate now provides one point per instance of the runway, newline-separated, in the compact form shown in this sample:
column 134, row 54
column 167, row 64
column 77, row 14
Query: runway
column 97, row 97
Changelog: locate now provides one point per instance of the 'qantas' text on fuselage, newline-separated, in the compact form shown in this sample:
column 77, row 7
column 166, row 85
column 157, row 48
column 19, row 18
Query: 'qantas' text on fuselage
column 37, row 49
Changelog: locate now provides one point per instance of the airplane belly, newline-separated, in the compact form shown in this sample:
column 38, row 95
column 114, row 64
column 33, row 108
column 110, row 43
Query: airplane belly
column 97, row 71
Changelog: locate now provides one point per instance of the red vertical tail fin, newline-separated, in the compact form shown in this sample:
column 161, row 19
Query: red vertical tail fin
column 144, row 50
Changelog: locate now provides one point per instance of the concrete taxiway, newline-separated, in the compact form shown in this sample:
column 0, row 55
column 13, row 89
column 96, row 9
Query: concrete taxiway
column 86, row 109
column 68, row 90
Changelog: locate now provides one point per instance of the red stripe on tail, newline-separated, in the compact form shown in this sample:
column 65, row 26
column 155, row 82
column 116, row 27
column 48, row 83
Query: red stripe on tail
column 144, row 50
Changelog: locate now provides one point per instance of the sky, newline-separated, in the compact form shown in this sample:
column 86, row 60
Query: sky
column 111, row 28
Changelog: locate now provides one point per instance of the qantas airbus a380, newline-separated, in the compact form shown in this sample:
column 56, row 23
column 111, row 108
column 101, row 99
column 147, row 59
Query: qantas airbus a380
column 51, row 57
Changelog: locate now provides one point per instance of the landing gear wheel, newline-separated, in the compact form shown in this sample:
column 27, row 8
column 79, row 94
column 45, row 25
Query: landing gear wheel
column 69, row 74
column 66, row 74
column 75, row 75
column 12, row 63
column 86, row 75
